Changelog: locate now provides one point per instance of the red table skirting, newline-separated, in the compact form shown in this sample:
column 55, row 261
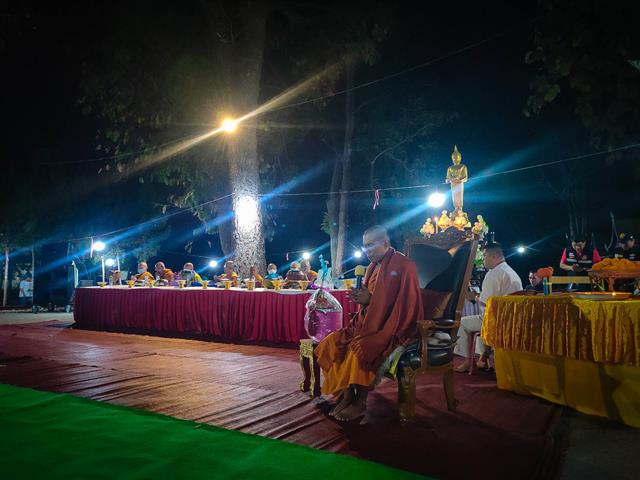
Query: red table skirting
column 256, row 316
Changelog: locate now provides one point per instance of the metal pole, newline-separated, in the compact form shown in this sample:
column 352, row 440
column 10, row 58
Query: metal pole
column 6, row 277
column 102, row 259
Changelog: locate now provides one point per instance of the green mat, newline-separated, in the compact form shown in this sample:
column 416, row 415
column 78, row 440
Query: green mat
column 48, row 435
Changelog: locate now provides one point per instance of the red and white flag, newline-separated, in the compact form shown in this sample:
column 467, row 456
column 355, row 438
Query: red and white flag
column 376, row 199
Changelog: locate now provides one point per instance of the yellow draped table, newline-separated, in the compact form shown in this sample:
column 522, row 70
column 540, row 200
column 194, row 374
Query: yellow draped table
column 580, row 353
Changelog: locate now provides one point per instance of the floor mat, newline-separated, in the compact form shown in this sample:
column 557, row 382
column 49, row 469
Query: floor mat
column 255, row 390
column 48, row 435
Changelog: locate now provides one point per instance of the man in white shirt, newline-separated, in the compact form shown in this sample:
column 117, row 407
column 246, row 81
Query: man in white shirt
column 26, row 291
column 500, row 280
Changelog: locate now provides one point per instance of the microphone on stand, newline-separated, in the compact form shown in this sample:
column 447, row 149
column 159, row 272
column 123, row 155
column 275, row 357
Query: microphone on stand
column 359, row 272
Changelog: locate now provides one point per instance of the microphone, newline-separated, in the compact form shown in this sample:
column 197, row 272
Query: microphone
column 359, row 272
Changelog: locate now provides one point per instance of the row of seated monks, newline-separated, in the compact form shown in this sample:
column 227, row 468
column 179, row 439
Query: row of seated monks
column 299, row 271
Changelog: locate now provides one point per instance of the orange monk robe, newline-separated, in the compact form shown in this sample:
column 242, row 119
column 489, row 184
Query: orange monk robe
column 353, row 355
column 233, row 276
column 141, row 277
column 167, row 274
column 311, row 275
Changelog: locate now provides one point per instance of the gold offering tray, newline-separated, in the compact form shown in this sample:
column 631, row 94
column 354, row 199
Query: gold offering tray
column 601, row 296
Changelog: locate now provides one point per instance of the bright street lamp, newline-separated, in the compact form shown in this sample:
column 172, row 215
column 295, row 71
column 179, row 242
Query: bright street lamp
column 229, row 125
column 521, row 249
column 213, row 264
column 109, row 262
column 357, row 253
column 99, row 246
column 306, row 256
column 436, row 200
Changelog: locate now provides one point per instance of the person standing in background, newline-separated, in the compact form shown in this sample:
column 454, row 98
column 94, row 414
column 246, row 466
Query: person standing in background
column 26, row 291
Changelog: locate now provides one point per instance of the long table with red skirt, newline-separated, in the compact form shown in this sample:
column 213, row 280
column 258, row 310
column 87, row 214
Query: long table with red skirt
column 236, row 314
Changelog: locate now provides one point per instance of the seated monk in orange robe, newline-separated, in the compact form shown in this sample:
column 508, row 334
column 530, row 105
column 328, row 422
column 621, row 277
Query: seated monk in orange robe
column 390, row 306
column 305, row 267
column 254, row 275
column 143, row 273
column 163, row 274
column 229, row 274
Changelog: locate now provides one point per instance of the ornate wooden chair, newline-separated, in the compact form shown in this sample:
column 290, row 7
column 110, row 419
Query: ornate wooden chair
column 445, row 262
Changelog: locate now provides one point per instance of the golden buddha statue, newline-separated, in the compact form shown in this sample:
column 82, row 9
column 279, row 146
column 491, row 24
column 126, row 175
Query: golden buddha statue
column 444, row 221
column 427, row 229
column 456, row 176
column 460, row 220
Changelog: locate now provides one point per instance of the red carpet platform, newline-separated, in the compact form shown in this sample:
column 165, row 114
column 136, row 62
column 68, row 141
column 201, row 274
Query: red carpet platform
column 253, row 389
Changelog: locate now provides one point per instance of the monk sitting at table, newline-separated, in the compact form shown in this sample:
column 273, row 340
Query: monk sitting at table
column 294, row 275
column 305, row 267
column 143, row 273
column 163, row 274
column 229, row 274
column 272, row 272
column 390, row 305
column 255, row 276
column 189, row 274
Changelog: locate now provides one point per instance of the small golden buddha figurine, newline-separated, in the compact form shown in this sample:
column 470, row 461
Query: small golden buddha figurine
column 444, row 221
column 456, row 176
column 460, row 219
column 428, row 228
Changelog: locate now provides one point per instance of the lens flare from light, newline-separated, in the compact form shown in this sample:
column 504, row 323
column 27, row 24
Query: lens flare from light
column 229, row 125
column 357, row 253
column 213, row 263
column 521, row 249
column 436, row 200
column 306, row 256
column 109, row 262
column 99, row 246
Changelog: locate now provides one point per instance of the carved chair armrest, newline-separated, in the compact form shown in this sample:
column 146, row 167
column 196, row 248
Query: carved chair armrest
column 425, row 327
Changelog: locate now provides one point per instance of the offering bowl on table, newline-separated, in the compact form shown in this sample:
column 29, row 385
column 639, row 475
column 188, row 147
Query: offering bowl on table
column 182, row 283
column 303, row 284
column 277, row 285
column 251, row 284
column 205, row 284
column 131, row 283
column 227, row 284
column 102, row 284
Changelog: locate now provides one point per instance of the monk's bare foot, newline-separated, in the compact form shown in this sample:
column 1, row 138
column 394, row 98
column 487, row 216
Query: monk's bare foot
column 481, row 363
column 353, row 411
column 464, row 366
column 347, row 398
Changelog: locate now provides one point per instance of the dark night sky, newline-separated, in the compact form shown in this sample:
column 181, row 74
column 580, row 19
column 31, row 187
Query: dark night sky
column 487, row 86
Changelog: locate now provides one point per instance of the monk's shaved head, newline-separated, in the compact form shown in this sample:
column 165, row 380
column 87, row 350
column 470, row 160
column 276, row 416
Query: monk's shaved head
column 375, row 242
column 376, row 232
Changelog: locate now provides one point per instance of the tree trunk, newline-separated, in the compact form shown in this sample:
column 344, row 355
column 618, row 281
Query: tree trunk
column 332, row 209
column 240, row 57
column 225, row 229
column 248, row 237
column 343, row 213
column 244, row 176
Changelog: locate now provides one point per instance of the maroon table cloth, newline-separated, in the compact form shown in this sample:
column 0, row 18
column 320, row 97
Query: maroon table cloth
column 253, row 316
